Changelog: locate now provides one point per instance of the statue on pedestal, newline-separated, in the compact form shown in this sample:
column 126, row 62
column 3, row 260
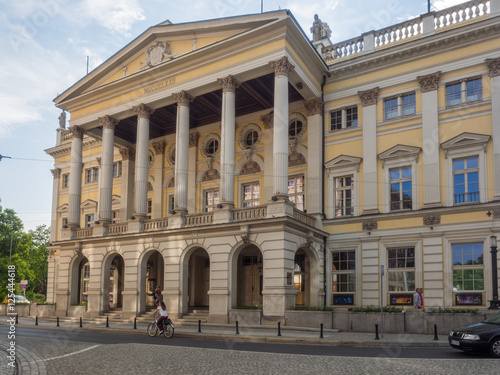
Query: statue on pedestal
column 320, row 29
column 62, row 120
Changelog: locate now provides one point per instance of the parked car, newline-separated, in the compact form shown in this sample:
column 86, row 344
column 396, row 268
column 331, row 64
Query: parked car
column 18, row 300
column 483, row 337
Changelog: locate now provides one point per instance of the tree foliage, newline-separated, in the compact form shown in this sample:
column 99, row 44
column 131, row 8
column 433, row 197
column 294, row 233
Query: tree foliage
column 29, row 253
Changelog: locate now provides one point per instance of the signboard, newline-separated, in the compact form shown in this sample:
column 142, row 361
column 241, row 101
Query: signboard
column 401, row 299
column 24, row 282
column 343, row 299
column 469, row 299
column 23, row 286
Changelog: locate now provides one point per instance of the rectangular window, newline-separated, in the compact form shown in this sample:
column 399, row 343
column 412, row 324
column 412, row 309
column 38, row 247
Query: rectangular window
column 344, row 272
column 64, row 222
column 468, row 267
column 466, row 180
column 96, row 174
column 65, row 181
column 474, row 90
column 391, row 108
column 89, row 220
column 150, row 208
column 171, row 204
column 91, row 175
column 336, row 120
column 351, row 116
column 115, row 217
column 343, row 195
column 401, row 269
column 296, row 191
column 409, row 104
column 251, row 195
column 453, row 94
column 212, row 199
column 401, row 192
column 88, row 176
column 117, row 169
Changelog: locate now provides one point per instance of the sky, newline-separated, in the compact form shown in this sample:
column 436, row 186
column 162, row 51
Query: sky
column 44, row 46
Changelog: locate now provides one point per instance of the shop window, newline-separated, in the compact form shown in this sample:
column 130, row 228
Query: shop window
column 401, row 269
column 468, row 267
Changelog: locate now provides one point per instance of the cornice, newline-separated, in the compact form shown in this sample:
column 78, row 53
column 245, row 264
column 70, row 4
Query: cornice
column 65, row 149
column 417, row 49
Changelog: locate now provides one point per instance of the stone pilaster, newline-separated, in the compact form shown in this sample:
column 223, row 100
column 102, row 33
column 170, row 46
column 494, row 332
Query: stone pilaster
column 314, row 182
column 494, row 68
column 75, row 176
column 56, row 173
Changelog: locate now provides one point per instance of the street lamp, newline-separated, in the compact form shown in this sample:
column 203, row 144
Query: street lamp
column 494, row 303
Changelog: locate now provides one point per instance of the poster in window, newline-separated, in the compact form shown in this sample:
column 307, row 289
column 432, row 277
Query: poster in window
column 401, row 299
column 469, row 299
column 343, row 299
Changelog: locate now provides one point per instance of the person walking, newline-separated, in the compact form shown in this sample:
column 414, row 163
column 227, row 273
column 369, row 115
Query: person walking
column 418, row 299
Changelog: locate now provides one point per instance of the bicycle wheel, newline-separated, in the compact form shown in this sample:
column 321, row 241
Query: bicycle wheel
column 152, row 329
column 168, row 330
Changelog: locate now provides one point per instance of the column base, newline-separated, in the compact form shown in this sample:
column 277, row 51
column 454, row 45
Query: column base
column 136, row 225
column 177, row 220
column 280, row 206
column 100, row 229
column 69, row 233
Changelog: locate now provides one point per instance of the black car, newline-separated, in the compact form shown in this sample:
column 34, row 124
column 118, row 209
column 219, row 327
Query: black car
column 483, row 336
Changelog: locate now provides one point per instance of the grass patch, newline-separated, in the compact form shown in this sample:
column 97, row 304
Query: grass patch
column 447, row 310
column 389, row 309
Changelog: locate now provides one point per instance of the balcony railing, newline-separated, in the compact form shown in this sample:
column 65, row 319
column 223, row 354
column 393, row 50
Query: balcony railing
column 156, row 224
column 466, row 198
column 117, row 228
column 304, row 218
column 404, row 31
column 250, row 213
column 83, row 233
column 199, row 219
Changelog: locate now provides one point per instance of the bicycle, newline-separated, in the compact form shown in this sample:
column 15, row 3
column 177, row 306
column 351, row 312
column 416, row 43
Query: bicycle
column 168, row 328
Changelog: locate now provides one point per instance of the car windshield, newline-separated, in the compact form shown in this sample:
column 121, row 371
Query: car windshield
column 494, row 319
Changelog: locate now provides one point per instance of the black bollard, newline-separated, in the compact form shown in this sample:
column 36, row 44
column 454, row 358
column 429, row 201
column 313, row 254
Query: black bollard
column 237, row 330
column 376, row 332
column 279, row 329
column 81, row 325
column 435, row 332
column 107, row 322
column 17, row 318
column 57, row 321
column 135, row 322
column 36, row 320
column 321, row 332
column 199, row 326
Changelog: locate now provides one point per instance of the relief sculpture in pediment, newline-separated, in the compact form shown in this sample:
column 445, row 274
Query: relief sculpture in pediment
column 157, row 53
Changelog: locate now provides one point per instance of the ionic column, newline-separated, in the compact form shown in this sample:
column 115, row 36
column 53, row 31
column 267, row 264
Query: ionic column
column 56, row 173
column 280, row 142
column 314, row 183
column 370, row 183
column 494, row 67
column 75, row 176
column 142, row 160
column 159, row 150
column 192, row 162
column 268, row 155
column 108, row 124
column 430, row 133
column 181, row 151
column 228, row 125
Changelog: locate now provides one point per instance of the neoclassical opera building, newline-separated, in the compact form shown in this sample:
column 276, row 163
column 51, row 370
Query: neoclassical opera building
column 244, row 161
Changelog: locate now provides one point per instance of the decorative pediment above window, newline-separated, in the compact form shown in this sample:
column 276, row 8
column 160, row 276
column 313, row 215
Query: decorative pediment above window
column 399, row 153
column 465, row 140
column 89, row 204
column 344, row 161
column 63, row 208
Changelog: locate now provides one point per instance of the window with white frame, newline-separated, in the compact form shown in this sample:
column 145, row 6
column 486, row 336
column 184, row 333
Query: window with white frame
column 344, row 271
column 465, row 91
column 251, row 194
column 211, row 199
column 89, row 220
column 115, row 216
column 401, row 269
column 466, row 180
column 65, row 181
column 402, row 105
column 344, row 187
column 468, row 267
column 117, row 169
column 344, row 118
column 401, row 188
column 296, row 191
column 91, row 175
column 149, row 208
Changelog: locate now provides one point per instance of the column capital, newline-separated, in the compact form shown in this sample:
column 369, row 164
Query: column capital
column 159, row 147
column 193, row 139
column 108, row 122
column 77, row 132
column 282, row 67
column 313, row 106
column 268, row 120
column 56, row 172
column 229, row 84
column 494, row 67
column 429, row 82
column 369, row 97
column 143, row 111
column 183, row 98
column 127, row 153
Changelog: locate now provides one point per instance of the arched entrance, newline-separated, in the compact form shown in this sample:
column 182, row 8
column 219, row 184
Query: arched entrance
column 152, row 271
column 249, row 277
column 301, row 278
column 80, row 280
column 198, row 279
column 113, row 282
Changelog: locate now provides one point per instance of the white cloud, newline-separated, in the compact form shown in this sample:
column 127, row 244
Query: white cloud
column 114, row 15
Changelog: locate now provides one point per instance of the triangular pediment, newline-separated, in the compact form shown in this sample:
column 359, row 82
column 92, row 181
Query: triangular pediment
column 89, row 203
column 400, row 151
column 466, row 140
column 164, row 43
column 343, row 161
column 63, row 208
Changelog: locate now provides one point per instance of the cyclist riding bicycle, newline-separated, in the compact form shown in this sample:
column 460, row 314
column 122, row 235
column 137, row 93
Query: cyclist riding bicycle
column 162, row 310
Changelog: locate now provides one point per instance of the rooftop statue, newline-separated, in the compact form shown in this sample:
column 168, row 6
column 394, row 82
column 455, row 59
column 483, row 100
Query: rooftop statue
column 320, row 29
column 62, row 120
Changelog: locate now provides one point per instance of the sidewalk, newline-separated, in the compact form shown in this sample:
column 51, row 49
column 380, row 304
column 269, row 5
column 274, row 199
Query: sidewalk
column 262, row 333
